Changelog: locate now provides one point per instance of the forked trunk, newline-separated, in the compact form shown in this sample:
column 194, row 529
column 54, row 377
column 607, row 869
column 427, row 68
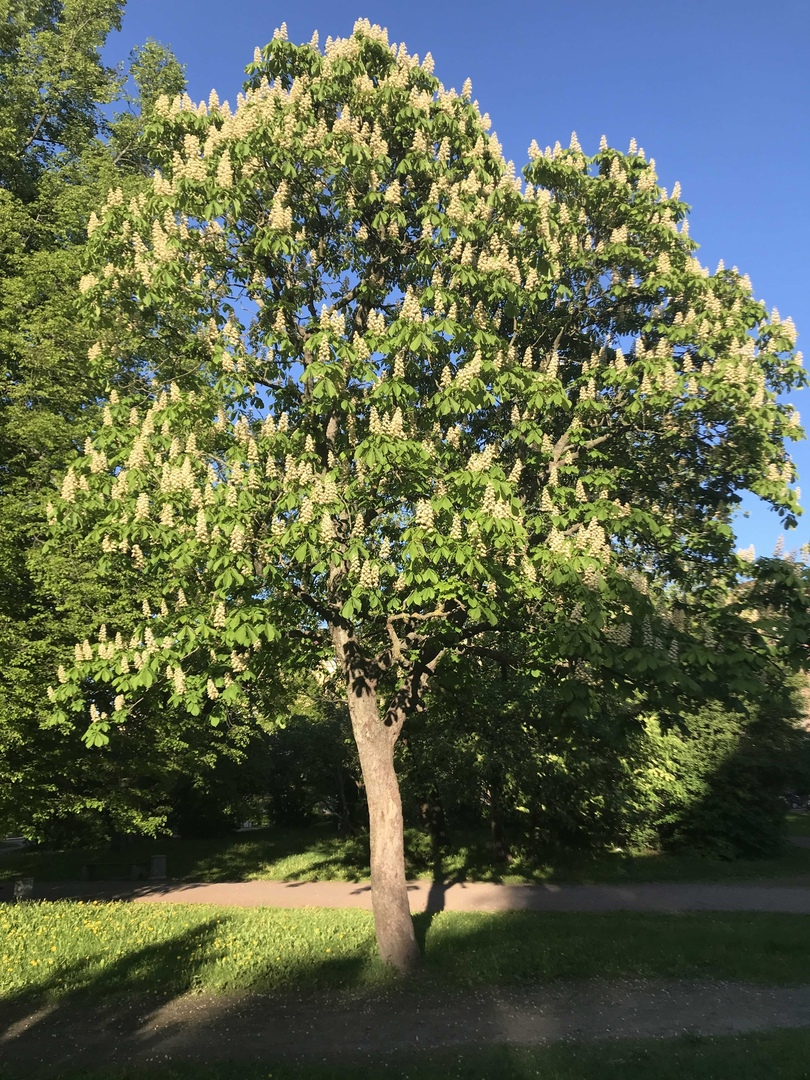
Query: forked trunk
column 389, row 894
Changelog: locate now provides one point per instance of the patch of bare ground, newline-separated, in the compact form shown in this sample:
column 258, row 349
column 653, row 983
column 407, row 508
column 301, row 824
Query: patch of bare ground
column 210, row 1029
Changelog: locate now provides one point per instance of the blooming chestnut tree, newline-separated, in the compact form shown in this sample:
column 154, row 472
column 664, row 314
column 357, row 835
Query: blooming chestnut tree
column 390, row 396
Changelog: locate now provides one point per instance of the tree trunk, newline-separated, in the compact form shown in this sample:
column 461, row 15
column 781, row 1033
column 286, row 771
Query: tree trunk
column 389, row 895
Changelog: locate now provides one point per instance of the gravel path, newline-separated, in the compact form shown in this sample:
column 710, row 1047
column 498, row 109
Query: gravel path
column 204, row 1028
column 469, row 896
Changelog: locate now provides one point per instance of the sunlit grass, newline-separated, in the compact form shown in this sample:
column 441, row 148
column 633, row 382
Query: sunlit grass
column 51, row 949
column 174, row 948
column 321, row 854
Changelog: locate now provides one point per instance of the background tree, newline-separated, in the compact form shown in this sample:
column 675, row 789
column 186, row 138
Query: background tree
column 591, row 756
column 399, row 398
column 59, row 152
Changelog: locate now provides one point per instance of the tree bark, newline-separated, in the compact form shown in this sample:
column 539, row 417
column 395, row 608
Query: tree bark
column 375, row 741
column 389, row 894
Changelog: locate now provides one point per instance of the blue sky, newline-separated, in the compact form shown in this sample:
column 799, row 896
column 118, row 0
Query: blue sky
column 717, row 91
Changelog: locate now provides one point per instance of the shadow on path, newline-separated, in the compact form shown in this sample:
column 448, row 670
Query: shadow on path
column 207, row 1029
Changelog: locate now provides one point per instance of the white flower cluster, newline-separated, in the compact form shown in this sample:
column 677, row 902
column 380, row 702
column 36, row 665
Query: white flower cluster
column 546, row 505
column 281, row 215
column 83, row 651
column 224, row 171
column 493, row 506
column 69, row 487
column 369, row 575
column 137, row 456
column 618, row 634
column 423, row 514
column 469, row 371
column 556, row 542
column 174, row 478
column 238, row 539
column 177, row 676
column 528, row 569
column 515, row 472
column 142, row 507
column 324, row 490
column 201, row 528
column 592, row 540
column 497, row 260
column 376, row 323
column 482, row 461
column 239, row 661
column 327, row 531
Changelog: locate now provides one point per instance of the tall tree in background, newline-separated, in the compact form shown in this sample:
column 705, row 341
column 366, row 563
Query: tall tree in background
column 59, row 153
column 401, row 398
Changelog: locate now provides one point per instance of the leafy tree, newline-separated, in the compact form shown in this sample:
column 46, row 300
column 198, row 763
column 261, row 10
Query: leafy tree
column 400, row 398
column 705, row 774
column 695, row 755
column 58, row 155
column 54, row 83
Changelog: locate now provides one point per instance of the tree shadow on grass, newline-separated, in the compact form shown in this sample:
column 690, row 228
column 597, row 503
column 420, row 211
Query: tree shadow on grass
column 162, row 1000
column 292, row 855
column 141, row 1007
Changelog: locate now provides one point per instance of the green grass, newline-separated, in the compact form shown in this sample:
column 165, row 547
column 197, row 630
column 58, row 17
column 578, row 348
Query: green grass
column 782, row 1054
column 798, row 823
column 319, row 853
column 48, row 950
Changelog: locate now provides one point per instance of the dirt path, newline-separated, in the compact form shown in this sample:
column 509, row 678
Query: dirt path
column 209, row 1029
column 468, row 896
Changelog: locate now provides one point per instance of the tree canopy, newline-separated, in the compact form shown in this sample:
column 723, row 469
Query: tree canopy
column 388, row 396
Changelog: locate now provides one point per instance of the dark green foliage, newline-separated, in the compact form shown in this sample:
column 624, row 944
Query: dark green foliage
column 312, row 770
column 726, row 774
column 58, row 156
column 508, row 750
column 230, row 783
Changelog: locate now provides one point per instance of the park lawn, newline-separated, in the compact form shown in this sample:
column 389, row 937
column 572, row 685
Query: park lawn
column 798, row 823
column 320, row 853
column 48, row 950
column 782, row 1054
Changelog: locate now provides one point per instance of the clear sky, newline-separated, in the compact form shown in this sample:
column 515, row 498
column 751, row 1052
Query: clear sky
column 717, row 91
